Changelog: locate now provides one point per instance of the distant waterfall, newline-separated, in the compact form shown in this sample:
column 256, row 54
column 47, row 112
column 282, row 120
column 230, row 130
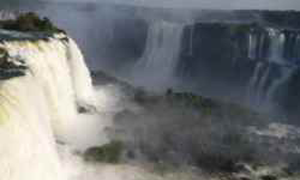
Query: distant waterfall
column 255, row 46
column 274, row 45
column 252, row 44
column 263, row 83
column 266, row 79
column 285, row 75
column 161, row 55
column 276, row 49
column 297, row 46
column 253, row 93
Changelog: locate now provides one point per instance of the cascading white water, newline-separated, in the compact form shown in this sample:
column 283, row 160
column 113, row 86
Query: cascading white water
column 80, row 75
column 285, row 74
column 161, row 55
column 297, row 46
column 262, row 86
column 260, row 54
column 40, row 106
column 276, row 46
column 252, row 44
column 276, row 50
column 252, row 93
column 262, row 83
column 257, row 90
column 27, row 149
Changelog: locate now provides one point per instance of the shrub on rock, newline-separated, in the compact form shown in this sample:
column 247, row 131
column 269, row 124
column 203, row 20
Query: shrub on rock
column 30, row 22
column 108, row 153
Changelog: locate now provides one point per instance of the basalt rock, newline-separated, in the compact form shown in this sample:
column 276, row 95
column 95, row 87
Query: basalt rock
column 8, row 68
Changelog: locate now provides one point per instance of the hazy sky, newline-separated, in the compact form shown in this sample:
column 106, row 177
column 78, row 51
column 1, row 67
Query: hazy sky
column 211, row 4
column 215, row 4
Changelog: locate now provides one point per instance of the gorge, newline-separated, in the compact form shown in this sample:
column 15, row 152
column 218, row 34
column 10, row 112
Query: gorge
column 162, row 94
column 252, row 55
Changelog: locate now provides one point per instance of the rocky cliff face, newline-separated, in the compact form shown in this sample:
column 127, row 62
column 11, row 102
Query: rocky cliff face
column 259, row 60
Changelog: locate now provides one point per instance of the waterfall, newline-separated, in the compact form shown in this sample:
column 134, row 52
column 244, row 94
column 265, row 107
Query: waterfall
column 53, row 74
column 80, row 75
column 262, row 83
column 297, row 47
column 252, row 93
column 161, row 55
column 252, row 44
column 285, row 74
column 261, row 43
column 27, row 149
column 276, row 46
column 258, row 86
column 265, row 81
column 40, row 107
column 276, row 50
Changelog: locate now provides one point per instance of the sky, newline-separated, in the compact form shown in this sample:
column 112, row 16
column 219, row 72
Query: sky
column 204, row 4
column 211, row 4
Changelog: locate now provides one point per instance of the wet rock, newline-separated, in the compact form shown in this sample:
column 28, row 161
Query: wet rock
column 85, row 108
column 244, row 178
column 268, row 177
column 10, row 67
column 3, row 56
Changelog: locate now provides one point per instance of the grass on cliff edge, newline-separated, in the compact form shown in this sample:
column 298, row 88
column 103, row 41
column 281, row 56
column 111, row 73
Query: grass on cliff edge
column 30, row 22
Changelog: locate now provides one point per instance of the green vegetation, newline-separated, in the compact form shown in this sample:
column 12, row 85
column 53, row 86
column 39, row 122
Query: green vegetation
column 240, row 28
column 212, row 107
column 30, row 22
column 108, row 153
column 3, row 56
column 163, row 168
column 243, row 29
column 191, row 100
